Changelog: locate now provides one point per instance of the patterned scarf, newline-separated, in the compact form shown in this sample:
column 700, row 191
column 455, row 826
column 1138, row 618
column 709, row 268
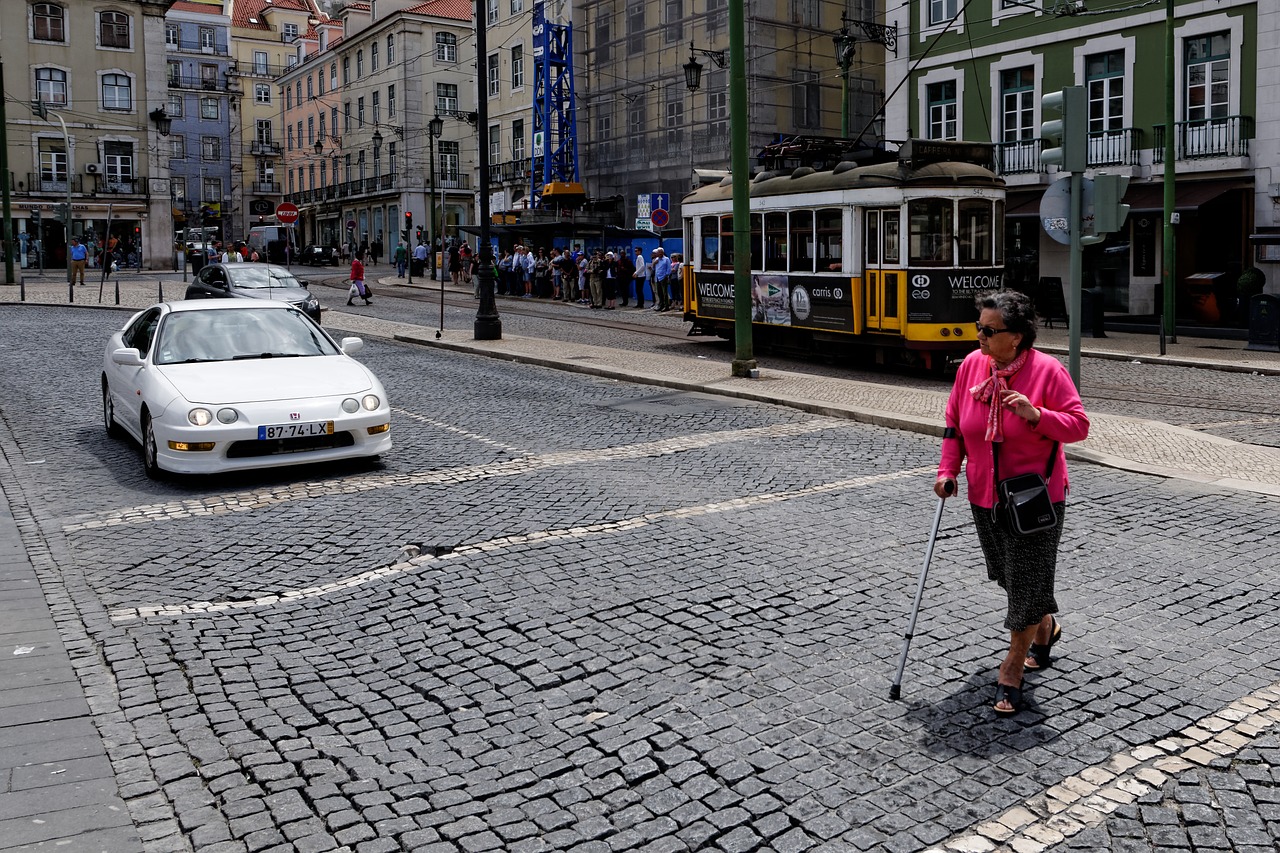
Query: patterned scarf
column 989, row 391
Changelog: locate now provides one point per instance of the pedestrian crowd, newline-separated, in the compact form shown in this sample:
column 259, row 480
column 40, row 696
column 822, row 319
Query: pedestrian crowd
column 601, row 279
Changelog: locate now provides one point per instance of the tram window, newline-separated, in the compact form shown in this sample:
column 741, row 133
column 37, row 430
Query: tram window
column 726, row 242
column 975, row 232
column 892, row 231
column 775, row 241
column 872, row 241
column 830, row 238
column 930, row 230
column 998, row 231
column 801, row 241
column 757, row 241
column 710, row 242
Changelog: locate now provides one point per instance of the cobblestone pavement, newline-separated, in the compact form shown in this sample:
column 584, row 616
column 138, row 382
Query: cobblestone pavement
column 577, row 613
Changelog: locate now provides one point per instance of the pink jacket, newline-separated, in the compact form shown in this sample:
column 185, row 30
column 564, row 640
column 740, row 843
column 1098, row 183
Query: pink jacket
column 1025, row 449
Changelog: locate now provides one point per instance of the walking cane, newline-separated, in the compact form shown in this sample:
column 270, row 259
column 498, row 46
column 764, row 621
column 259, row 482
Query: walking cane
column 896, row 690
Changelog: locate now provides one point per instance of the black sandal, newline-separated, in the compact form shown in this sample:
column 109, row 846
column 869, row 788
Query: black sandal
column 1039, row 653
column 1012, row 695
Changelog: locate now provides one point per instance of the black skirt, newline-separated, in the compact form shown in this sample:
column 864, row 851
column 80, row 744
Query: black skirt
column 1023, row 566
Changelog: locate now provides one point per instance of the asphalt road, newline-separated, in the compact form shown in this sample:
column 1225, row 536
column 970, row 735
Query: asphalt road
column 637, row 621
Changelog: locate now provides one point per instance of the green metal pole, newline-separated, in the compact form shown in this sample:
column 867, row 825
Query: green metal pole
column 7, row 212
column 744, row 363
column 1168, row 271
column 1074, row 271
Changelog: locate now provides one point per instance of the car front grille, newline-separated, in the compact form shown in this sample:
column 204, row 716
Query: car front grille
column 278, row 446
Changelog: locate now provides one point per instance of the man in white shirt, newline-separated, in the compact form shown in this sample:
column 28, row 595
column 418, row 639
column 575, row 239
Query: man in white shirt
column 640, row 276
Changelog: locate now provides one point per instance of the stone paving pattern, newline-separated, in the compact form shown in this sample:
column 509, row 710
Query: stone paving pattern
column 573, row 613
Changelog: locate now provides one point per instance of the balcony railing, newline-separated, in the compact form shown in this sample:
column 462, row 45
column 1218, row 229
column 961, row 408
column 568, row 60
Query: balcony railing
column 38, row 184
column 1215, row 137
column 271, row 149
column 456, row 181
column 1115, row 147
column 194, row 46
column 189, row 81
column 107, row 185
column 1019, row 157
column 265, row 188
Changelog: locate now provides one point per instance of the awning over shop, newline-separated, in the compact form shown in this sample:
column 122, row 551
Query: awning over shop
column 1144, row 198
column 1141, row 198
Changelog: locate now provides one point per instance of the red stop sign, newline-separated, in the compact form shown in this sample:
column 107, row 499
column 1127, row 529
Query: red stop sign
column 287, row 213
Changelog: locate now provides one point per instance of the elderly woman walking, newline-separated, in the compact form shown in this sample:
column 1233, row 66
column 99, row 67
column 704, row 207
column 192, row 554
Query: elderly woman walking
column 1011, row 410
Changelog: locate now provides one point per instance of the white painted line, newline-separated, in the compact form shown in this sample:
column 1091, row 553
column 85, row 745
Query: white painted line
column 537, row 538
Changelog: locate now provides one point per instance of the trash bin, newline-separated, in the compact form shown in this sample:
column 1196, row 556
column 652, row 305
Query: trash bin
column 196, row 260
column 1092, row 318
column 417, row 266
column 1264, row 323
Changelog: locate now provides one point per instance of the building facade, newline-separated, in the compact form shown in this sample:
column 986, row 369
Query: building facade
column 99, row 72
column 979, row 72
column 645, row 131
column 200, row 107
column 265, row 37
column 374, row 92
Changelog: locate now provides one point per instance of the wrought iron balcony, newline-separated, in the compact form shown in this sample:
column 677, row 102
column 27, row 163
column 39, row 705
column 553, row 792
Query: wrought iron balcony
column 1019, row 157
column 265, row 188
column 1115, row 147
column 1215, row 137
column 37, row 183
column 453, row 181
column 265, row 149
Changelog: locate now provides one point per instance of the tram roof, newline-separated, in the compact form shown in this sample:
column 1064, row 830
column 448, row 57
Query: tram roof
column 848, row 176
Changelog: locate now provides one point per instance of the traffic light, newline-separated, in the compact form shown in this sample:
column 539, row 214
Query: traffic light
column 1069, row 134
column 408, row 225
column 1108, row 213
column 419, row 233
column 35, row 220
column 64, row 214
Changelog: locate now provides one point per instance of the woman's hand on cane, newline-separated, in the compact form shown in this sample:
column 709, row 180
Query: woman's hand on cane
column 944, row 487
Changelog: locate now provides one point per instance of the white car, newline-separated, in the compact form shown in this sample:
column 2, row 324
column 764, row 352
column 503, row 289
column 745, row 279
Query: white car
column 223, row 385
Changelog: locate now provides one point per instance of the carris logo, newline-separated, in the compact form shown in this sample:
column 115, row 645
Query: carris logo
column 821, row 291
column 920, row 281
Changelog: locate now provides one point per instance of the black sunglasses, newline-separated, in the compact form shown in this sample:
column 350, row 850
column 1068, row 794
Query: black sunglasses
column 987, row 331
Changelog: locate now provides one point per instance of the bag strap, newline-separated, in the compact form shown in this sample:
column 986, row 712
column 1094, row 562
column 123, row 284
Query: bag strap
column 995, row 462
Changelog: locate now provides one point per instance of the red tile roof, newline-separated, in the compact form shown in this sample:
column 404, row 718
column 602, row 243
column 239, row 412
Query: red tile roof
column 192, row 6
column 460, row 10
column 246, row 9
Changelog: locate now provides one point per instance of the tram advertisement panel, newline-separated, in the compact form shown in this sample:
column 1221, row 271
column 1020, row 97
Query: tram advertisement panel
column 805, row 302
column 946, row 296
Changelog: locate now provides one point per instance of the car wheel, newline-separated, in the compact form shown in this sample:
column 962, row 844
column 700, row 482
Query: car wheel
column 109, row 412
column 150, row 453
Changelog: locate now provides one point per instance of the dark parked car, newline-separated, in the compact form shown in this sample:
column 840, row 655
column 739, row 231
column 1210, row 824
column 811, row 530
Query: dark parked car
column 253, row 281
column 320, row 256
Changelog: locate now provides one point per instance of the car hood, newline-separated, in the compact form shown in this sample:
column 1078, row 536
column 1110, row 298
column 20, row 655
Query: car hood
column 283, row 294
column 258, row 379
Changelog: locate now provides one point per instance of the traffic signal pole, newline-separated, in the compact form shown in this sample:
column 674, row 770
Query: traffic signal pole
column 1070, row 153
column 7, row 212
column 1075, row 270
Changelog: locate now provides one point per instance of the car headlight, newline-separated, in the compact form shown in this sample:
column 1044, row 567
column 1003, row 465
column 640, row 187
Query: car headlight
column 370, row 402
column 228, row 416
column 350, row 405
column 199, row 416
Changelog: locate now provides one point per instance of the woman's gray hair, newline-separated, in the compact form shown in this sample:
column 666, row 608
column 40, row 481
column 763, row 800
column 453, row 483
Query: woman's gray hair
column 1017, row 312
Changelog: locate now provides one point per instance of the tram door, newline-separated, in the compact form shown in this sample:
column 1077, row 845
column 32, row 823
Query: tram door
column 883, row 274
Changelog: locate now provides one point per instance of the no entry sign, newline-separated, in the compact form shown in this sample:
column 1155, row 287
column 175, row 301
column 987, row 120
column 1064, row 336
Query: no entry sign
column 287, row 213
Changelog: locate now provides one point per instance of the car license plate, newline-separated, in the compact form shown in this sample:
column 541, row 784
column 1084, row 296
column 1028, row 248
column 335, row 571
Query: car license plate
column 269, row 432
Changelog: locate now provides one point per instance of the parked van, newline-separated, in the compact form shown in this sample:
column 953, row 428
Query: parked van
column 270, row 241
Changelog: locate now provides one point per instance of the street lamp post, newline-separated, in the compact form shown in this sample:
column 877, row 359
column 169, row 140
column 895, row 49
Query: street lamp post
column 487, row 325
column 377, row 176
column 844, row 44
column 40, row 109
column 435, row 128
column 693, row 82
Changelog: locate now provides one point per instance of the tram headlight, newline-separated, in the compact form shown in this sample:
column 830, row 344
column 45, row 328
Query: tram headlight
column 946, row 333
column 957, row 332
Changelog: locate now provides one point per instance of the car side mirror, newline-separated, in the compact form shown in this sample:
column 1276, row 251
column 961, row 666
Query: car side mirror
column 305, row 282
column 130, row 357
column 351, row 345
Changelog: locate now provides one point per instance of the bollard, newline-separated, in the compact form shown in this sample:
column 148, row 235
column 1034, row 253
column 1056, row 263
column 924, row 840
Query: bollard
column 1092, row 317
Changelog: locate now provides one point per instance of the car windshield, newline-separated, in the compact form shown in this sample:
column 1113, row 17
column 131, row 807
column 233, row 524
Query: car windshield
column 191, row 337
column 248, row 277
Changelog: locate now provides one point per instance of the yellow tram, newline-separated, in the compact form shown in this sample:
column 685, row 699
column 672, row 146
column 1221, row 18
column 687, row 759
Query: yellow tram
column 885, row 257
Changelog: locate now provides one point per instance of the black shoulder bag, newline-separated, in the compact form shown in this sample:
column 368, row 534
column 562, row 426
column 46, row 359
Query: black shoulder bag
column 1023, row 506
